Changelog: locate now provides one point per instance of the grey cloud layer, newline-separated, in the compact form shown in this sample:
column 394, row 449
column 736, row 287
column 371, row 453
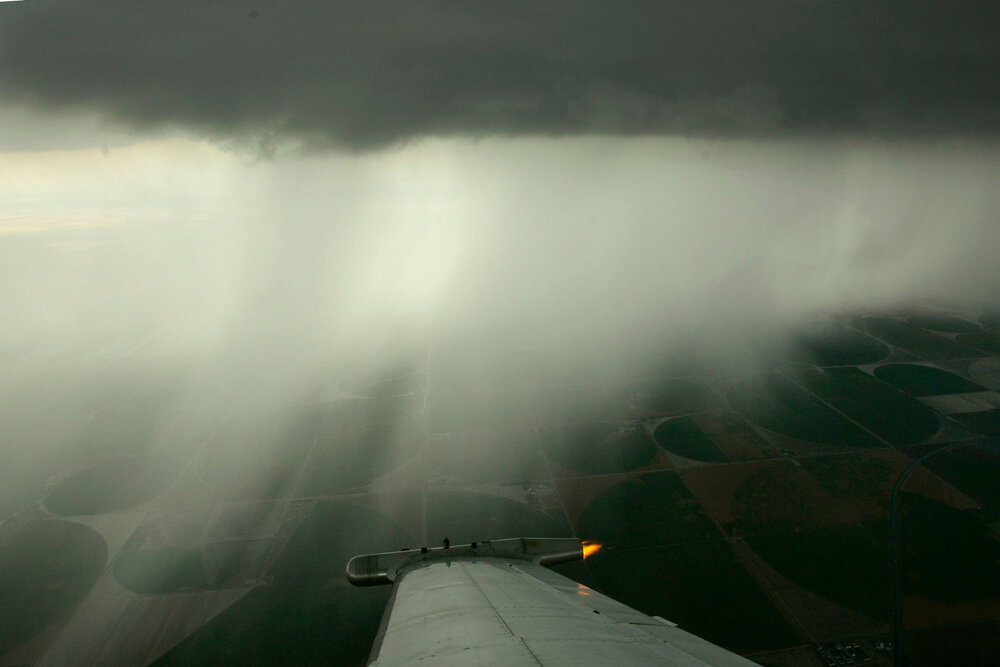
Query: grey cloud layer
column 365, row 74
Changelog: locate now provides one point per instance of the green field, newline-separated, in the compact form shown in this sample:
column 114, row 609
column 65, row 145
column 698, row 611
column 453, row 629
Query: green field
column 774, row 402
column 699, row 586
column 846, row 564
column 777, row 496
column 948, row 554
column 877, row 406
column 987, row 341
column 682, row 437
column 650, row 510
column 974, row 471
column 46, row 569
column 920, row 380
column 914, row 339
column 833, row 344
column 946, row 323
column 853, row 477
column 599, row 447
column 990, row 318
column 309, row 614
column 986, row 422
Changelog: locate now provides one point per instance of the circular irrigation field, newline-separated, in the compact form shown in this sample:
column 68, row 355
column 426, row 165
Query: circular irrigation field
column 46, row 569
column 308, row 614
column 919, row 380
column 833, row 344
column 943, row 323
column 775, row 402
column 653, row 509
column 599, row 447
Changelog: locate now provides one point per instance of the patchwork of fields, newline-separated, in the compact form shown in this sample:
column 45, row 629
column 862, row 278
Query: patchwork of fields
column 751, row 508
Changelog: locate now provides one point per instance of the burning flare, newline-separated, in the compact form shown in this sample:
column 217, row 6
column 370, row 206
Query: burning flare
column 591, row 548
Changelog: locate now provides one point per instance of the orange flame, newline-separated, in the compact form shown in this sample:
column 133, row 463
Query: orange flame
column 591, row 548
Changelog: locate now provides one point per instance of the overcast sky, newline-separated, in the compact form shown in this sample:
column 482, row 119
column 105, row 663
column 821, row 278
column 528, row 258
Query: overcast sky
column 367, row 74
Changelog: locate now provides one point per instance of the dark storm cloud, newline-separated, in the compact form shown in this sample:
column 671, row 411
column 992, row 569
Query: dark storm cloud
column 365, row 74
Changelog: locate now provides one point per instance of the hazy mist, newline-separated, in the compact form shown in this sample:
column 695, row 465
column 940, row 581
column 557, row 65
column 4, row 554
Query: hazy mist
column 259, row 283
